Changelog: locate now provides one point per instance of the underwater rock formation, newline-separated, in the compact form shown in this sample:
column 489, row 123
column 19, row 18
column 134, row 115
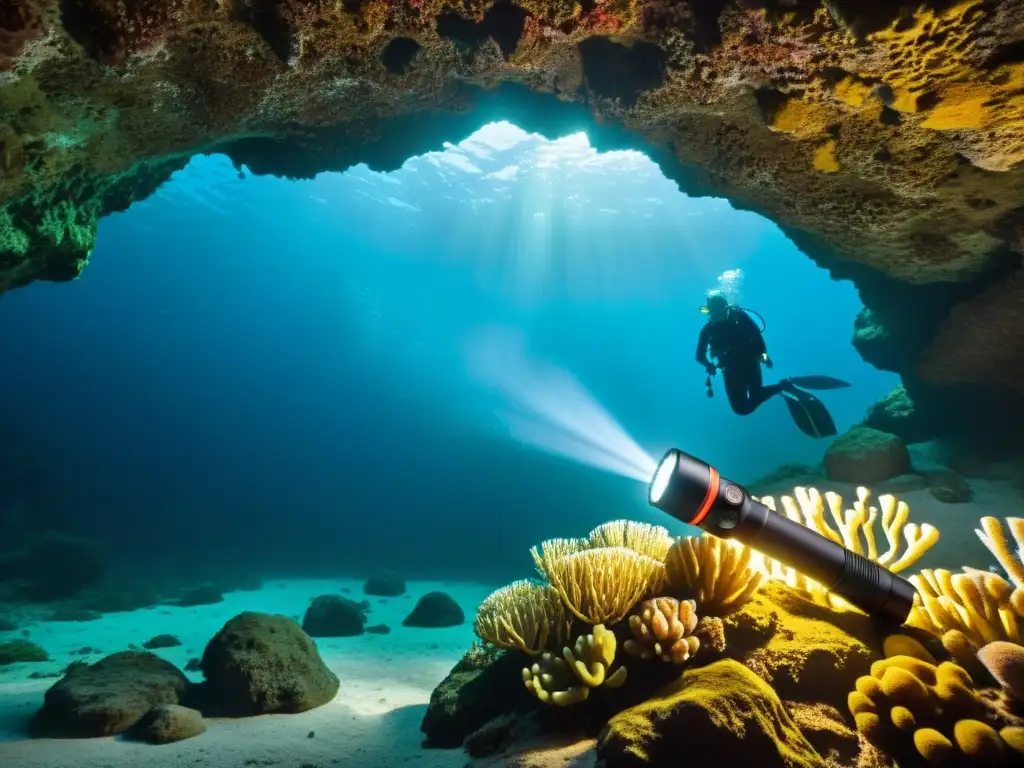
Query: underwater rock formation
column 168, row 723
column 260, row 663
column 108, row 697
column 384, row 583
column 722, row 713
column 435, row 610
column 53, row 567
column 20, row 651
column 334, row 616
column 866, row 456
column 886, row 140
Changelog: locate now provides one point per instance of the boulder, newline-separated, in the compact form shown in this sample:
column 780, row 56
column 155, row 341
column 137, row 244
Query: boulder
column 261, row 663
column 108, row 697
column 384, row 583
column 19, row 651
column 168, row 723
column 866, row 456
column 435, row 610
column 334, row 616
column 485, row 684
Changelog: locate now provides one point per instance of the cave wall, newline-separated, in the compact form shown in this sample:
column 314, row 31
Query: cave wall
column 886, row 139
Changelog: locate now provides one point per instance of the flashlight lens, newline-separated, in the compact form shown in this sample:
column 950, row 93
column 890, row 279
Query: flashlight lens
column 662, row 476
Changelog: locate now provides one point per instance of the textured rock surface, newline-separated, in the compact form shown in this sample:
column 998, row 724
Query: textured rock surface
column 885, row 138
column 261, row 663
column 108, row 697
column 866, row 456
column 169, row 723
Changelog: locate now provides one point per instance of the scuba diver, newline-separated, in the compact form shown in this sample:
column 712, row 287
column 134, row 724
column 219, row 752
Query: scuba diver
column 737, row 344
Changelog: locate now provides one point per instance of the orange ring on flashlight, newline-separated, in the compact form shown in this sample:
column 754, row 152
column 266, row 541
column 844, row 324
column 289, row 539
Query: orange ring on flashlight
column 709, row 498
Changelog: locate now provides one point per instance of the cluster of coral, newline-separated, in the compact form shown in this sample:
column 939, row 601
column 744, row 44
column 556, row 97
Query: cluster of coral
column 659, row 646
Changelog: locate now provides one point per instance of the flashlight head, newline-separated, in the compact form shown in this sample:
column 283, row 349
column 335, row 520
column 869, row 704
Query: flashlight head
column 683, row 487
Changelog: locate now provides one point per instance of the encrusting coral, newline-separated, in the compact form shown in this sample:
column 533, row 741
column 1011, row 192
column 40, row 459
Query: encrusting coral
column 568, row 680
column 912, row 709
column 663, row 629
column 717, row 573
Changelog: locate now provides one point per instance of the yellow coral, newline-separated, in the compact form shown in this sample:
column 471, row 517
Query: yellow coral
column 568, row 680
column 663, row 629
column 855, row 530
column 523, row 615
column 601, row 585
column 908, row 705
column 992, row 536
column 716, row 572
column 643, row 538
column 980, row 607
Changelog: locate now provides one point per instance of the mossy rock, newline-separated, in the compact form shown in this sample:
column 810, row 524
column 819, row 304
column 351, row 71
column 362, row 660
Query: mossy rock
column 866, row 456
column 19, row 651
column 805, row 651
column 261, row 663
column 721, row 714
column 108, row 697
column 485, row 684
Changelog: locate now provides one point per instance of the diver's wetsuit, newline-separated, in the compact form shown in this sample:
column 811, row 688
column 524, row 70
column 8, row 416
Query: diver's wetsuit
column 738, row 344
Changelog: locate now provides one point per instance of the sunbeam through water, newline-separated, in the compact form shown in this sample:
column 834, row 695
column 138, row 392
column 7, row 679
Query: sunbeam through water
column 549, row 409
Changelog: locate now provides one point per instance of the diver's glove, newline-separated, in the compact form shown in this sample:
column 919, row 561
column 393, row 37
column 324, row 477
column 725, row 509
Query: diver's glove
column 767, row 361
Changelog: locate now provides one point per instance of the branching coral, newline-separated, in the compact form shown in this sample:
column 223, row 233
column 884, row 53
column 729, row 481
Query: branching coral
column 664, row 629
column 909, row 707
column 568, row 680
column 650, row 540
column 601, row 585
column 524, row 615
column 992, row 536
column 967, row 610
column 856, row 531
column 716, row 572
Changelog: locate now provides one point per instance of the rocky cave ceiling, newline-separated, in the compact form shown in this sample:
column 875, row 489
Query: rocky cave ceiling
column 886, row 139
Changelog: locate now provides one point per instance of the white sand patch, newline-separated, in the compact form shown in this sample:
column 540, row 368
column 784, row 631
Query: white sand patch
column 374, row 721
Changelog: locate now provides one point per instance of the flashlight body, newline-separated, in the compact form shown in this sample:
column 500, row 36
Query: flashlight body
column 863, row 583
column 692, row 491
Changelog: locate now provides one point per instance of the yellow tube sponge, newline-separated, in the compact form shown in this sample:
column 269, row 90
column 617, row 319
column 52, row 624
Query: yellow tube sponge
column 568, row 680
column 992, row 536
column 601, row 585
column 524, row 615
column 977, row 605
column 717, row 573
column 663, row 629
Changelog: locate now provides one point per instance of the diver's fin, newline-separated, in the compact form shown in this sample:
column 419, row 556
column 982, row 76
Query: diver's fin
column 818, row 382
column 809, row 414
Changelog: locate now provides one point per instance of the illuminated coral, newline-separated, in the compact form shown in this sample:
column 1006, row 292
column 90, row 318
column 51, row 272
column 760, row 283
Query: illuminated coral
column 524, row 615
column 601, row 585
column 992, row 536
column 644, row 539
column 909, row 707
column 717, row 573
column 568, row 680
column 967, row 610
column 663, row 629
column 855, row 530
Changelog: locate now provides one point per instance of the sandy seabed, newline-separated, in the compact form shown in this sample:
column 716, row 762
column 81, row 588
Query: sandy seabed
column 386, row 680
column 374, row 721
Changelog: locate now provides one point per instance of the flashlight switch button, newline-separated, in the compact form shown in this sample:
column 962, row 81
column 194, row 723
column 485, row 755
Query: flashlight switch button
column 733, row 494
column 727, row 520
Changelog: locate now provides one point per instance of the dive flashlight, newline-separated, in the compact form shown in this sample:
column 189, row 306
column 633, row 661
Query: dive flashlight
column 692, row 491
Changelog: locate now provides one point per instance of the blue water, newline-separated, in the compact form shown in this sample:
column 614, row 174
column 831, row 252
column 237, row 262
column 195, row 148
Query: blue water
column 296, row 375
